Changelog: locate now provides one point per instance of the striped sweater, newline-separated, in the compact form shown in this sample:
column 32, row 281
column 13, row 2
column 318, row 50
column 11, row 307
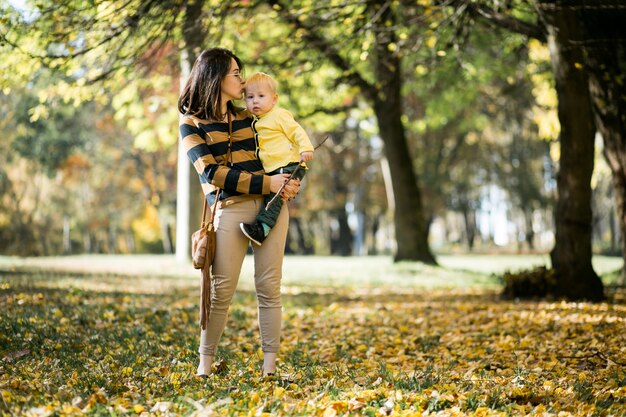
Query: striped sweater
column 206, row 145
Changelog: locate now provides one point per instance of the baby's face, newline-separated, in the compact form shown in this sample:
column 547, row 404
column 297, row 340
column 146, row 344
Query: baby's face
column 259, row 99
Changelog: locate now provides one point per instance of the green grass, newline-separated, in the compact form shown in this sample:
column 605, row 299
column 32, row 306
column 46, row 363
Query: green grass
column 117, row 336
column 455, row 271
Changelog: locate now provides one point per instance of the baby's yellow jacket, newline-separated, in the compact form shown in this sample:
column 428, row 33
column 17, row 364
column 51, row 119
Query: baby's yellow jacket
column 281, row 139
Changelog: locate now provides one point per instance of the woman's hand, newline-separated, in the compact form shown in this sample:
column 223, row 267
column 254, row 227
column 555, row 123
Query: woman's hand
column 290, row 190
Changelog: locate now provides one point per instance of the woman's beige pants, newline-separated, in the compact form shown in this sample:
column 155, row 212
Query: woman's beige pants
column 231, row 248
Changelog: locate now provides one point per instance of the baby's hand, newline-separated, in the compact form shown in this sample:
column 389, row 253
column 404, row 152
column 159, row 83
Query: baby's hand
column 306, row 156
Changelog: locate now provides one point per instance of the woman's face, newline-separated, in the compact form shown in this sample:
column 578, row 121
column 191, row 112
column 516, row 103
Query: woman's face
column 232, row 84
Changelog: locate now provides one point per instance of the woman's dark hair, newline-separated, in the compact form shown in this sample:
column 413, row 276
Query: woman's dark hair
column 201, row 94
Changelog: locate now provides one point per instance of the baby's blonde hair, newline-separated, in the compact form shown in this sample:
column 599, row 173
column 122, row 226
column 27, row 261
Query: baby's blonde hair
column 261, row 78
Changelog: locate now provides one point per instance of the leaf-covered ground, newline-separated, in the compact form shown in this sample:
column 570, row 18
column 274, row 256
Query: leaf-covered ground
column 114, row 345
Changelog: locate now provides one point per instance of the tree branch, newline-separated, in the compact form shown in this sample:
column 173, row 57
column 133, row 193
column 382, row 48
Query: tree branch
column 150, row 13
column 327, row 110
column 506, row 22
column 326, row 48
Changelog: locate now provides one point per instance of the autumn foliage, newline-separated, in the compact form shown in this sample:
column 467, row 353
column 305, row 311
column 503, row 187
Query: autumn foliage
column 120, row 345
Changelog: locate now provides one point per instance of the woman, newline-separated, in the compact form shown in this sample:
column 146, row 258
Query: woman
column 206, row 107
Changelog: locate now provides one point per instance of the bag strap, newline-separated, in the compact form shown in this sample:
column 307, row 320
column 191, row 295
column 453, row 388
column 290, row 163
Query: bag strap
column 217, row 193
column 204, row 207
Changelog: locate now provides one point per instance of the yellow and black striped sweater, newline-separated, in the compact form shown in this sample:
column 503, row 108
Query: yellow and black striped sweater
column 206, row 144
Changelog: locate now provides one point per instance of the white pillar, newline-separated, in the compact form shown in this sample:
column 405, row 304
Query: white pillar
column 182, row 207
column 182, row 183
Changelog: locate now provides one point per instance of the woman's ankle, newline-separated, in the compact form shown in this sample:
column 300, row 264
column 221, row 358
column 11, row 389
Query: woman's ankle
column 269, row 363
column 206, row 362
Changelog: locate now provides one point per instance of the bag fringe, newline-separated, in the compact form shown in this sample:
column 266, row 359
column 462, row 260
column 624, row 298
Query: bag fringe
column 205, row 298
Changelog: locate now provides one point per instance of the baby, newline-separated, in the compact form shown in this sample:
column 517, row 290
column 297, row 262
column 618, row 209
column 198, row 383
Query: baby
column 283, row 145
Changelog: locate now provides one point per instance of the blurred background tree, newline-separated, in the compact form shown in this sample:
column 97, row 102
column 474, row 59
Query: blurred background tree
column 443, row 131
column 586, row 51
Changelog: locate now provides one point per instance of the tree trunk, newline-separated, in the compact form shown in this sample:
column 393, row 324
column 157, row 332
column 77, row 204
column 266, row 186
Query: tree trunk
column 469, row 219
column 613, row 226
column 411, row 234
column 571, row 256
column 606, row 65
column 530, row 233
column 619, row 183
column 409, row 221
column 87, row 242
column 112, row 237
column 373, row 247
column 341, row 236
column 166, row 236
column 67, row 241
column 303, row 248
column 165, row 221
column 384, row 93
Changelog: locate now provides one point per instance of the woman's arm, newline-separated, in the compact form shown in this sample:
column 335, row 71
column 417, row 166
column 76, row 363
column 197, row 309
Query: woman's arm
column 212, row 171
